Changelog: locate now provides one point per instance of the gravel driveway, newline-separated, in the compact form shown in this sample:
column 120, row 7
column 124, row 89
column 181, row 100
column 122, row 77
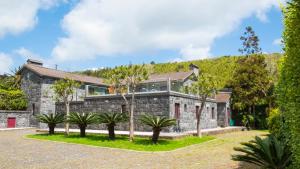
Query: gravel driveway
column 19, row 152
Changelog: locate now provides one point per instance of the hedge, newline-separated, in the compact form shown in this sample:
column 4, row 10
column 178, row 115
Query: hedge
column 12, row 100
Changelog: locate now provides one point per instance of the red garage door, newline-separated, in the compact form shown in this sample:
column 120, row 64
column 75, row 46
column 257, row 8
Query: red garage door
column 11, row 122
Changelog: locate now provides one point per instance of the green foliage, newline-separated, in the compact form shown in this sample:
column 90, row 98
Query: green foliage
column 64, row 89
column 206, row 85
column 250, row 42
column 274, row 122
column 251, row 82
column 266, row 152
column 52, row 120
column 288, row 86
column 157, row 123
column 248, row 121
column 111, row 120
column 82, row 120
column 12, row 100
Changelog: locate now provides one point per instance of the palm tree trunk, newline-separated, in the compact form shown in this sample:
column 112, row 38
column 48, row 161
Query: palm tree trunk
column 155, row 136
column 51, row 129
column 131, row 121
column 111, row 132
column 82, row 131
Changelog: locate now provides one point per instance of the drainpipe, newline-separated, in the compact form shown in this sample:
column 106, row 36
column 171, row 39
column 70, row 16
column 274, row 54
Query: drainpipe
column 86, row 90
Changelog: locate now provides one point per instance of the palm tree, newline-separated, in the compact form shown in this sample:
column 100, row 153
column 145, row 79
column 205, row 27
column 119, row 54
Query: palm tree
column 82, row 120
column 266, row 152
column 111, row 120
column 157, row 123
column 52, row 120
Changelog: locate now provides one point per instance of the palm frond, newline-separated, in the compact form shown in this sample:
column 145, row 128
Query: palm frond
column 112, row 118
column 157, row 122
column 266, row 152
column 51, row 118
column 82, row 118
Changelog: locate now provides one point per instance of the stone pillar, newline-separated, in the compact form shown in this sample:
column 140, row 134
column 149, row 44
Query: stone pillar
column 169, row 84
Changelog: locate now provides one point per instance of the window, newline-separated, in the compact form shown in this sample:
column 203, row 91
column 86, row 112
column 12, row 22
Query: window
column 123, row 108
column 197, row 111
column 33, row 108
column 213, row 114
column 185, row 108
column 177, row 111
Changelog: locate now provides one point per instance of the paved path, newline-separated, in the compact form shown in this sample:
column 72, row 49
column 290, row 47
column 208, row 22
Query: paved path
column 17, row 152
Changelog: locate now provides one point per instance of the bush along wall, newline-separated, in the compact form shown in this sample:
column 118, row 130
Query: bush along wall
column 289, row 82
column 12, row 100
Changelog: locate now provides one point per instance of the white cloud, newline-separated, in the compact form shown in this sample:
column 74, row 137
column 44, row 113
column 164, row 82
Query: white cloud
column 110, row 27
column 277, row 42
column 18, row 16
column 27, row 54
column 5, row 63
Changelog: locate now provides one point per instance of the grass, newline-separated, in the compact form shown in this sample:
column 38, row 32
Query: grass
column 139, row 144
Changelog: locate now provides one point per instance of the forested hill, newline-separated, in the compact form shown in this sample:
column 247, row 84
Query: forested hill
column 222, row 67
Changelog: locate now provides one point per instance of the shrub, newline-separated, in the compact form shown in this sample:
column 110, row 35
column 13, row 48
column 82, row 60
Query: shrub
column 51, row 120
column 12, row 100
column 266, row 152
column 111, row 120
column 157, row 123
column 274, row 121
column 82, row 120
column 248, row 121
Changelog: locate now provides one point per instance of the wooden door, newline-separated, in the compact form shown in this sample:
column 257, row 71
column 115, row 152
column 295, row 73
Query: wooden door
column 11, row 122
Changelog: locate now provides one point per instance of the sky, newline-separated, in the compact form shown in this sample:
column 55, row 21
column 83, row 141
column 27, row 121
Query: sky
column 88, row 34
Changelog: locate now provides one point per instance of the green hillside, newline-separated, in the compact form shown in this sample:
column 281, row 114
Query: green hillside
column 222, row 67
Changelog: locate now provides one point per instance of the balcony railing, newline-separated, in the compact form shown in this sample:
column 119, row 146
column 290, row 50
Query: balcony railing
column 159, row 85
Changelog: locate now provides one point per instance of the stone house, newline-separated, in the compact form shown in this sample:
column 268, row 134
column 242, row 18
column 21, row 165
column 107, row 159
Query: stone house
column 162, row 95
column 37, row 80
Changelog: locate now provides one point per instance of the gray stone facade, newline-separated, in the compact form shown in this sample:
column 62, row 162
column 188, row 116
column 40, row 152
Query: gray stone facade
column 22, row 118
column 40, row 95
column 159, row 103
column 223, row 111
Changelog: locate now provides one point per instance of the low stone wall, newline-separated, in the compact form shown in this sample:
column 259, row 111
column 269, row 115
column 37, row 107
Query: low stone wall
column 22, row 118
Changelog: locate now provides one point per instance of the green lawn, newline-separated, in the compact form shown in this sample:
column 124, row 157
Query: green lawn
column 140, row 143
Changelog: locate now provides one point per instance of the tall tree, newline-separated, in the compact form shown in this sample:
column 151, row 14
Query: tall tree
column 205, row 86
column 64, row 90
column 250, row 42
column 288, row 87
column 251, row 80
column 133, row 75
column 250, row 84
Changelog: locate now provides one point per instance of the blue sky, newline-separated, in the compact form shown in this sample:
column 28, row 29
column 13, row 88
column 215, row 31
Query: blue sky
column 79, row 35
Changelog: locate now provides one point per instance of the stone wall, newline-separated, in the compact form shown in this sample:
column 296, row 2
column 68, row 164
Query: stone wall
column 160, row 104
column 31, row 85
column 156, row 104
column 187, row 120
column 22, row 118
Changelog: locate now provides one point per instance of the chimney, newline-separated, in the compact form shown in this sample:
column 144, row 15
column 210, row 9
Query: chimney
column 34, row 62
column 195, row 69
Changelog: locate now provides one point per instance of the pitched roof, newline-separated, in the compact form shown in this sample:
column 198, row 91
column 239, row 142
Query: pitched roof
column 43, row 71
column 166, row 76
column 223, row 97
